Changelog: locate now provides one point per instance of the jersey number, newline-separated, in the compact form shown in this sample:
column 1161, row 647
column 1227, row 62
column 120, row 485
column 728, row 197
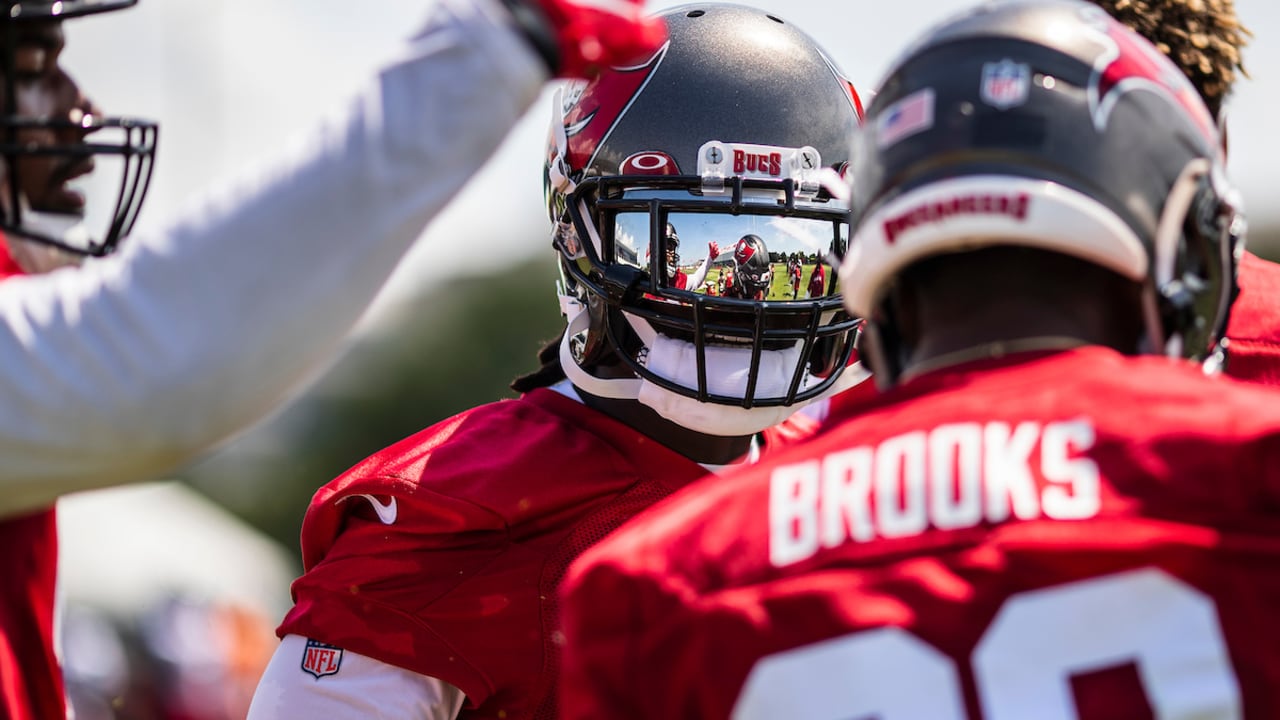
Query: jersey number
column 1023, row 663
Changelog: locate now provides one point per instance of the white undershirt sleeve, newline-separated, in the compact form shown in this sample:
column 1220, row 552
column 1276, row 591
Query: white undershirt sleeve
column 359, row 688
column 698, row 275
column 130, row 366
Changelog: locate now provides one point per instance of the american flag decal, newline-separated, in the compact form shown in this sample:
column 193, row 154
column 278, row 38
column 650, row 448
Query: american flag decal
column 320, row 659
column 904, row 118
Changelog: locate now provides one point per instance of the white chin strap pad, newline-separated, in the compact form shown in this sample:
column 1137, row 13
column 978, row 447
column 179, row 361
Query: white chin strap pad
column 727, row 373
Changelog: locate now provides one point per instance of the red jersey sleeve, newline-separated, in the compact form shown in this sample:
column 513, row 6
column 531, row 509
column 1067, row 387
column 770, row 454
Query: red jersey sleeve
column 378, row 552
column 9, row 267
column 441, row 554
column 29, row 673
column 1254, row 329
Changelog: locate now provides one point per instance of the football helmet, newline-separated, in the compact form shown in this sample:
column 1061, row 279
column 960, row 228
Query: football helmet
column 42, row 153
column 1048, row 125
column 726, row 133
column 673, row 251
column 752, row 272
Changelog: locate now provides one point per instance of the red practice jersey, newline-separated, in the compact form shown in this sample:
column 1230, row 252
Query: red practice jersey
column 1254, row 329
column 818, row 282
column 1057, row 536
column 442, row 554
column 31, row 685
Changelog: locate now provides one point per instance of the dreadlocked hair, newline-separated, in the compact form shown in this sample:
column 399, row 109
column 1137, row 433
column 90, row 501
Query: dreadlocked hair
column 549, row 373
column 1202, row 37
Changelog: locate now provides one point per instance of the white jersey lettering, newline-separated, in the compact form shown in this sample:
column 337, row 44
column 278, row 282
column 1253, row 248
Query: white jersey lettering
column 793, row 513
column 1007, row 470
column 1073, row 493
column 952, row 477
column 846, row 482
column 955, row 475
column 899, row 483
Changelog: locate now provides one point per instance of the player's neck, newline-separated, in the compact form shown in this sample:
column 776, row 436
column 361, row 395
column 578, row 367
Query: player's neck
column 927, row 362
column 948, row 329
column 698, row 447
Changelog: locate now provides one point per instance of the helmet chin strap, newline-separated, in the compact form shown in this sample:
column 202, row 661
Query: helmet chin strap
column 727, row 372
column 612, row 388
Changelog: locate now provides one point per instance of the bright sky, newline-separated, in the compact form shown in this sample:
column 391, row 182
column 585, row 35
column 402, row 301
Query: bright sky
column 229, row 79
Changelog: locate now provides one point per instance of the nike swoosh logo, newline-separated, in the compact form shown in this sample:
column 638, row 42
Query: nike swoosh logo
column 386, row 512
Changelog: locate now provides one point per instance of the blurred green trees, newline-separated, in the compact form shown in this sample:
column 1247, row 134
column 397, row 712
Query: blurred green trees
column 456, row 346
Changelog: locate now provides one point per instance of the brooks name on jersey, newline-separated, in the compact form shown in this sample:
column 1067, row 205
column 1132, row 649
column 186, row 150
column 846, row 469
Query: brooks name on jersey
column 951, row 477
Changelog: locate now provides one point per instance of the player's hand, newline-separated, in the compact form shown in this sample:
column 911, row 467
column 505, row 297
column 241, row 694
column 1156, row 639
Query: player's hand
column 590, row 35
column 713, row 250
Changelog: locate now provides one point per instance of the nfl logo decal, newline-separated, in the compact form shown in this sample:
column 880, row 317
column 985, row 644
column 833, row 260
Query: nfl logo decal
column 1005, row 84
column 320, row 659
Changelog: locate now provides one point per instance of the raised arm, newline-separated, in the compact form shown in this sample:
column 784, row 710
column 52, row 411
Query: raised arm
column 130, row 366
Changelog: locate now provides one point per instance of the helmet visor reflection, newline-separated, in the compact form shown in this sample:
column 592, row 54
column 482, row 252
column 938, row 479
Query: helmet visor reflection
column 753, row 257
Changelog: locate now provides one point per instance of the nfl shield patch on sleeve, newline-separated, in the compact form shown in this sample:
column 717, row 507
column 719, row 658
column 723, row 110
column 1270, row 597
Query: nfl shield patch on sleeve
column 320, row 659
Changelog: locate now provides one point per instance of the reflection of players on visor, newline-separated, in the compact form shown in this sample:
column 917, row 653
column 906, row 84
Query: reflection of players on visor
column 685, row 281
column 673, row 251
column 818, row 281
column 750, row 274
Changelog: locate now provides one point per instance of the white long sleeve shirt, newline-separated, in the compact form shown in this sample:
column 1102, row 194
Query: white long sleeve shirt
column 130, row 366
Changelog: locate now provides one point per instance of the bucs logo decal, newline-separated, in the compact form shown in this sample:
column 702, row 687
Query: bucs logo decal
column 1128, row 63
column 743, row 252
column 591, row 111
